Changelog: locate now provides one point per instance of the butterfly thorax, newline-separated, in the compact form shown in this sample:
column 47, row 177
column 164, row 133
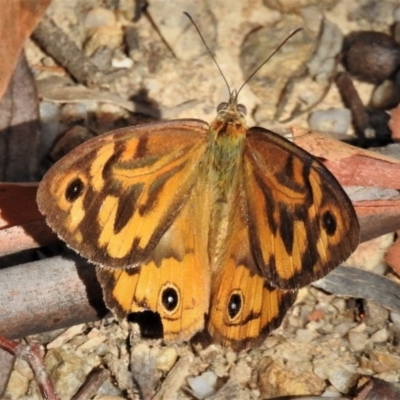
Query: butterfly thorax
column 225, row 153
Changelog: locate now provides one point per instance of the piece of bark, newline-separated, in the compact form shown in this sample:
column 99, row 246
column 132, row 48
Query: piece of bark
column 355, row 282
column 394, row 123
column 352, row 166
column 22, row 226
column 392, row 257
column 377, row 218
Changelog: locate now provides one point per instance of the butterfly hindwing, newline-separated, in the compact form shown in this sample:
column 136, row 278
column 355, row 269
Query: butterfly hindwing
column 112, row 198
column 174, row 281
column 302, row 223
column 244, row 307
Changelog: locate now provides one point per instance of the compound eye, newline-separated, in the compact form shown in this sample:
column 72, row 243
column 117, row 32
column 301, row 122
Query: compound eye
column 222, row 106
column 241, row 108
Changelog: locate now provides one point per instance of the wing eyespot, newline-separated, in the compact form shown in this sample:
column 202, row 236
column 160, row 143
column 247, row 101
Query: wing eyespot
column 235, row 304
column 170, row 298
column 74, row 190
column 329, row 223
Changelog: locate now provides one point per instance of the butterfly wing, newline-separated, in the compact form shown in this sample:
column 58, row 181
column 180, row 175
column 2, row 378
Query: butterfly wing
column 113, row 198
column 174, row 280
column 244, row 307
column 302, row 224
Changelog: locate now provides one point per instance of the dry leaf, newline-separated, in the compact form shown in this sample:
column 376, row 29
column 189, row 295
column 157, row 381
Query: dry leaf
column 18, row 19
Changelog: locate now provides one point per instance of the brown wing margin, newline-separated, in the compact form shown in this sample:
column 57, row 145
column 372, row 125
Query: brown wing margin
column 302, row 223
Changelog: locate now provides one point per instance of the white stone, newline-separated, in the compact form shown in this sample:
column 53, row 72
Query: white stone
column 203, row 385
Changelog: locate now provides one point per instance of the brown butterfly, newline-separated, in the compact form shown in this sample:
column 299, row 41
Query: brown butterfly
column 211, row 226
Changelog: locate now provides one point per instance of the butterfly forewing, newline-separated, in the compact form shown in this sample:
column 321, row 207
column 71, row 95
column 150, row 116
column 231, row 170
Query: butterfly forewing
column 112, row 198
column 302, row 224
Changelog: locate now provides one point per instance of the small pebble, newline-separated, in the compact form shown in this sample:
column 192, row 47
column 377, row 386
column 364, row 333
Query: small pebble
column 371, row 56
column 340, row 304
column 376, row 315
column 72, row 112
column 385, row 96
column 306, row 335
column 331, row 392
column 121, row 62
column 166, row 359
column 98, row 17
column 382, row 361
column 358, row 340
column 334, row 120
column 360, row 327
column 396, row 14
column 395, row 318
column 342, row 379
column 203, row 385
column 231, row 356
column 380, row 336
column 92, row 343
column 343, row 328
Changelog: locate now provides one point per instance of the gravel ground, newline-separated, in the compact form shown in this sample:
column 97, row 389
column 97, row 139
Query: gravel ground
column 327, row 346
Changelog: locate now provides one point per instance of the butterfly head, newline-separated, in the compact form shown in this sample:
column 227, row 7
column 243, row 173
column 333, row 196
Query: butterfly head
column 231, row 118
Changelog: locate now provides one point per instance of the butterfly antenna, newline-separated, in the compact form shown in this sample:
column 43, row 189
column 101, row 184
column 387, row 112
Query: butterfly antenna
column 264, row 62
column 209, row 51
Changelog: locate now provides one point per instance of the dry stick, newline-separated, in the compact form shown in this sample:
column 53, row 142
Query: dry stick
column 59, row 46
column 352, row 100
column 175, row 378
column 92, row 384
column 49, row 294
column 32, row 355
